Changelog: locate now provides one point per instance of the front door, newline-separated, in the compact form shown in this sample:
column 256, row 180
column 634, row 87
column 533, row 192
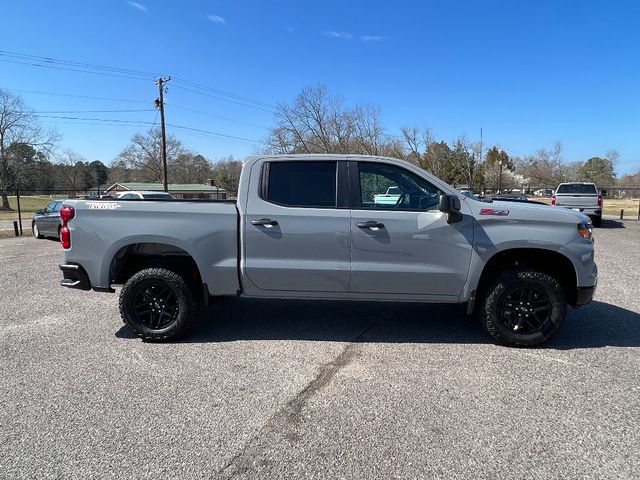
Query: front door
column 296, row 232
column 401, row 242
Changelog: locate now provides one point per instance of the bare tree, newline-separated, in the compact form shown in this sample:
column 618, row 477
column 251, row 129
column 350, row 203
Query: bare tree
column 319, row 123
column 144, row 155
column 18, row 126
column 74, row 172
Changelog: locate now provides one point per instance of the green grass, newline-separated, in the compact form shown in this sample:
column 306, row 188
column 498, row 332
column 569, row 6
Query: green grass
column 611, row 206
column 28, row 206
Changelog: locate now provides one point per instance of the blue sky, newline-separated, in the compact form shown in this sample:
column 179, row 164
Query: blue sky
column 528, row 73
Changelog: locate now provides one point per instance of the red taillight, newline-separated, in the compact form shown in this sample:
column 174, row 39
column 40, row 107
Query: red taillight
column 66, row 214
column 600, row 200
column 65, row 237
column 553, row 200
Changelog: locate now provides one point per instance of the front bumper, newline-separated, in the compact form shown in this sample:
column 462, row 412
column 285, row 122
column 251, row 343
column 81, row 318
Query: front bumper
column 74, row 276
column 584, row 295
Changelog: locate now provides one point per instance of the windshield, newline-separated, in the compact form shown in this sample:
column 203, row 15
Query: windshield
column 577, row 188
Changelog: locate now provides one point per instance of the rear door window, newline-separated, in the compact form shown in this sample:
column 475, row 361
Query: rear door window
column 301, row 184
column 577, row 188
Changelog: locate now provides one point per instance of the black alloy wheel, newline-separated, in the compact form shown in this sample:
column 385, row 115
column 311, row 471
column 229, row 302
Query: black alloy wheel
column 155, row 305
column 523, row 307
column 527, row 310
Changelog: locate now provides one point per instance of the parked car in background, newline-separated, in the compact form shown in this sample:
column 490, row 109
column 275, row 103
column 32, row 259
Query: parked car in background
column 509, row 197
column 46, row 222
column 544, row 192
column 468, row 193
column 582, row 197
column 144, row 195
column 390, row 197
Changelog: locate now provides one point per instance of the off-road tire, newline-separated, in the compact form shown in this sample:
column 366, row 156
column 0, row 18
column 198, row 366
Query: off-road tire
column 496, row 296
column 36, row 231
column 187, row 304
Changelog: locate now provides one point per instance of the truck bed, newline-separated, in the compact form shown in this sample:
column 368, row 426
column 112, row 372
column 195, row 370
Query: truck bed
column 207, row 230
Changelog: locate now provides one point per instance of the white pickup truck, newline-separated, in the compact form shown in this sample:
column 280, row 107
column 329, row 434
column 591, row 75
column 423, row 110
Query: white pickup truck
column 308, row 226
column 581, row 197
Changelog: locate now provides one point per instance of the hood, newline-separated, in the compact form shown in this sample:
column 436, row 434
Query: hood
column 525, row 211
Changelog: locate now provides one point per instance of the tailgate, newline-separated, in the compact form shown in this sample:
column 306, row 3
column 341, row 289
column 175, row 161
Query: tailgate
column 577, row 200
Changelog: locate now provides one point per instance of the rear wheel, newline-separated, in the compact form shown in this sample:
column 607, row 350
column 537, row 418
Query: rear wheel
column 524, row 308
column 36, row 231
column 597, row 221
column 157, row 304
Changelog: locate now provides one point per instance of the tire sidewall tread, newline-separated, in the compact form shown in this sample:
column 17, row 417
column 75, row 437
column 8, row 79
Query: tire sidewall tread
column 490, row 316
column 188, row 306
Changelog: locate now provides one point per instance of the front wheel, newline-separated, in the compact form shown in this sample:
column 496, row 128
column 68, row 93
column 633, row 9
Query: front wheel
column 157, row 304
column 523, row 308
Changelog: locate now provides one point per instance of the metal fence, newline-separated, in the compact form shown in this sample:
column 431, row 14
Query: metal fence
column 17, row 207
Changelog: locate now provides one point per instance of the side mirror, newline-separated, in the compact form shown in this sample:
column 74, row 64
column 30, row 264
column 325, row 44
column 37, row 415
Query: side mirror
column 450, row 204
column 39, row 212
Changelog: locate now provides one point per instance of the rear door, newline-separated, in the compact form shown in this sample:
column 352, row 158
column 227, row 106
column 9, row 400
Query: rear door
column 408, row 247
column 297, row 227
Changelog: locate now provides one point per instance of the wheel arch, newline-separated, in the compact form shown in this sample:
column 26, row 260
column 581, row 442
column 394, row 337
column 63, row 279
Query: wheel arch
column 547, row 261
column 133, row 257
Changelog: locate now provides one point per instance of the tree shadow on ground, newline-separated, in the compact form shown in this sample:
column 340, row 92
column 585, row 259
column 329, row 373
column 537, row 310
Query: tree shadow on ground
column 231, row 319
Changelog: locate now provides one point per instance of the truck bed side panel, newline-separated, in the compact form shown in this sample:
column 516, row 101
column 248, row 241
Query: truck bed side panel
column 207, row 231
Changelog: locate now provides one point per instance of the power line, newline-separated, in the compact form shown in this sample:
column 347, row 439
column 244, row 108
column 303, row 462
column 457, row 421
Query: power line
column 222, row 92
column 95, row 119
column 217, row 97
column 214, row 133
column 109, row 99
column 83, row 67
column 91, row 111
column 215, row 116
column 57, row 67
column 143, row 122
column 52, row 62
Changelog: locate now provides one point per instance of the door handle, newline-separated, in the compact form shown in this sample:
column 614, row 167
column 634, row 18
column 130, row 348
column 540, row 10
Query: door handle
column 370, row 224
column 266, row 222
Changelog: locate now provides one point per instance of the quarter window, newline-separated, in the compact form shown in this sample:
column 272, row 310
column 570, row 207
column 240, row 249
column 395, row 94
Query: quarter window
column 301, row 184
column 384, row 186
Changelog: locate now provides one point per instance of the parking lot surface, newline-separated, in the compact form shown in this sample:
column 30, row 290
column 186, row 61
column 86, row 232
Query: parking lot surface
column 294, row 389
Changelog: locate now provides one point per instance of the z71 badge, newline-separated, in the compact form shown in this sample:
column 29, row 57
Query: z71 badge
column 494, row 212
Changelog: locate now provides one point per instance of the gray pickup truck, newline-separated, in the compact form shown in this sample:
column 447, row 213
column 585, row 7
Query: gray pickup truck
column 580, row 196
column 308, row 226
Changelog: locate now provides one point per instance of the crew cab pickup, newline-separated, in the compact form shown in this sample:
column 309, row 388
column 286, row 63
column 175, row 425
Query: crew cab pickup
column 308, row 226
column 582, row 197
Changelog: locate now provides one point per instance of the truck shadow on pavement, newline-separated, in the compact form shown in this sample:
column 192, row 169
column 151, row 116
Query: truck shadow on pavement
column 230, row 319
column 609, row 223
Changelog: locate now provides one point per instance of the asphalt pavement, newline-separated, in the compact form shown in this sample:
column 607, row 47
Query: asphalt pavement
column 294, row 389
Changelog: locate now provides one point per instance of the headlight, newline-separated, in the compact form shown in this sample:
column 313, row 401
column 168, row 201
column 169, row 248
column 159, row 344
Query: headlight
column 585, row 230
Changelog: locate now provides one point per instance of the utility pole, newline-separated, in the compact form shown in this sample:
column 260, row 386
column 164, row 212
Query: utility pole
column 160, row 104
column 480, row 160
